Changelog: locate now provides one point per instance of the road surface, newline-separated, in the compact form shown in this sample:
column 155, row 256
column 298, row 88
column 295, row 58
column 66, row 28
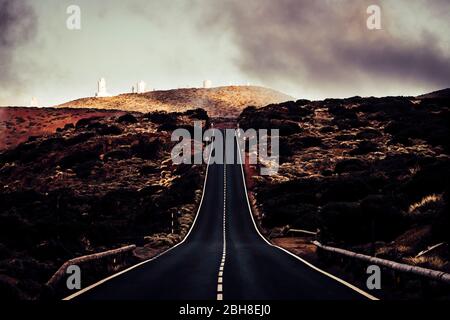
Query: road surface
column 223, row 257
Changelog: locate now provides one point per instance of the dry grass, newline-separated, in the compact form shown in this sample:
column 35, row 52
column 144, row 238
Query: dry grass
column 431, row 200
column 162, row 240
column 414, row 170
column 218, row 102
column 432, row 262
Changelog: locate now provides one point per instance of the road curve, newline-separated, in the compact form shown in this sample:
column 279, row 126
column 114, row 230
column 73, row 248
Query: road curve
column 223, row 257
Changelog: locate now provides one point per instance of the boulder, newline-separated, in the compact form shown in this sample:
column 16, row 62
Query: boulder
column 79, row 138
column 368, row 134
column 161, row 117
column 127, row 119
column 109, row 130
column 82, row 123
column 85, row 169
column 78, row 157
column 146, row 147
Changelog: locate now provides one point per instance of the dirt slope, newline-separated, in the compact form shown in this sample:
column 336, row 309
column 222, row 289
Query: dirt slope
column 18, row 124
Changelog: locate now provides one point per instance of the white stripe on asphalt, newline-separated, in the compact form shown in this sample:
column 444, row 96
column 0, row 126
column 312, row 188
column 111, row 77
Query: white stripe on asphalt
column 224, row 254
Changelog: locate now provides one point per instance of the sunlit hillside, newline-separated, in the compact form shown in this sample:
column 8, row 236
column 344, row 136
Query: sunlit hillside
column 218, row 102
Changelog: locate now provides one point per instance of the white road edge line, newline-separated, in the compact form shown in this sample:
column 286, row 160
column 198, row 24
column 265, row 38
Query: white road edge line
column 78, row 293
column 349, row 285
column 224, row 253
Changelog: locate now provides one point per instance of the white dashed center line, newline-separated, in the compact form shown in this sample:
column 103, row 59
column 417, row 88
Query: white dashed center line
column 224, row 254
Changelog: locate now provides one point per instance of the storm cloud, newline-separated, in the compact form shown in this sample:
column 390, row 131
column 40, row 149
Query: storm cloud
column 18, row 23
column 306, row 48
column 326, row 45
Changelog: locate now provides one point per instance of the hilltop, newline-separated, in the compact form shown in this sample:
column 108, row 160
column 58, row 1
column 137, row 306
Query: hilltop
column 218, row 102
column 445, row 93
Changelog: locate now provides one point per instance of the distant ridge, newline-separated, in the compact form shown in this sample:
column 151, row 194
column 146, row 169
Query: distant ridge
column 218, row 102
column 445, row 93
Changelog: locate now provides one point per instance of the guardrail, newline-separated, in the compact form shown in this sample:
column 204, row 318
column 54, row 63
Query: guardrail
column 431, row 249
column 311, row 233
column 432, row 274
column 56, row 278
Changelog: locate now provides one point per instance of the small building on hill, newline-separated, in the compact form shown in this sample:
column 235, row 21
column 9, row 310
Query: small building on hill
column 141, row 87
column 207, row 84
column 102, row 92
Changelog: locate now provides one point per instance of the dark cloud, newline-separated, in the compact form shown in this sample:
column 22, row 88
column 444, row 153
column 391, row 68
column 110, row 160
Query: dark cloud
column 312, row 48
column 18, row 23
column 326, row 44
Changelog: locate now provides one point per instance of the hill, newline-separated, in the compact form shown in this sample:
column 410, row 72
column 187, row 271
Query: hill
column 445, row 93
column 218, row 102
column 19, row 124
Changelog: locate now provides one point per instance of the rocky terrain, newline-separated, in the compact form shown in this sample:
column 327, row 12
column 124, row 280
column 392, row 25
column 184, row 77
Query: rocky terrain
column 218, row 102
column 18, row 124
column 102, row 182
column 371, row 173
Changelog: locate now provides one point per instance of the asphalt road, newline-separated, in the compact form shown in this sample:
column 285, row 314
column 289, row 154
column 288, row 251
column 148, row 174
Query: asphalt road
column 223, row 257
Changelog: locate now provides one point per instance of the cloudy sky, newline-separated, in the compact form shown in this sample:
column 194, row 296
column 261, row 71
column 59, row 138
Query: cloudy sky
column 307, row 48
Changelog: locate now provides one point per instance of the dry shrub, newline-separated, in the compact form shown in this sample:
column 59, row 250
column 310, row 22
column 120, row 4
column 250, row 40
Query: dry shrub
column 428, row 204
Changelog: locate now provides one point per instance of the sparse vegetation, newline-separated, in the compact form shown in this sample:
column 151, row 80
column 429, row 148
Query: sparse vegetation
column 427, row 204
column 363, row 171
column 100, row 184
column 18, row 124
